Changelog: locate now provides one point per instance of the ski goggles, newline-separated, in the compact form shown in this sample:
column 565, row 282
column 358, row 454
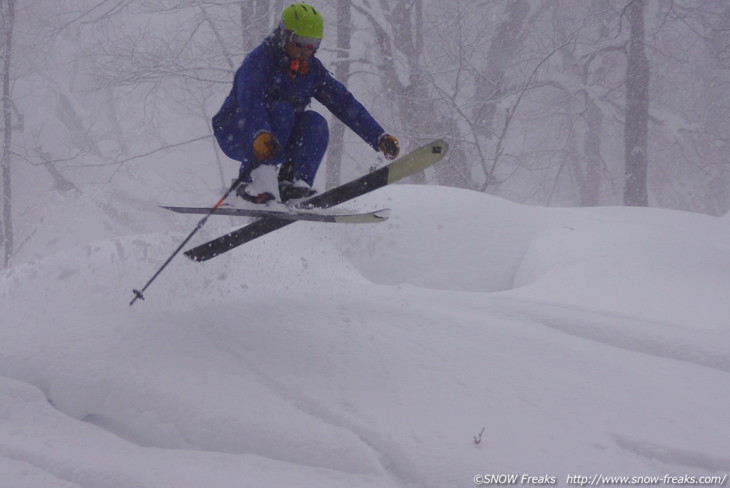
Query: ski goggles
column 305, row 42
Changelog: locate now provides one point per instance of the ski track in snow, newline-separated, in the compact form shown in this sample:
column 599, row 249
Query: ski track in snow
column 582, row 340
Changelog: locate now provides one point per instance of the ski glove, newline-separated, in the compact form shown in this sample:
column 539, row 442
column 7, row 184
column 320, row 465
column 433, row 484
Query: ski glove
column 265, row 146
column 389, row 145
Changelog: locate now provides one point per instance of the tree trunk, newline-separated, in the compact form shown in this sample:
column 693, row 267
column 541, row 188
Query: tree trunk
column 255, row 23
column 590, row 187
column 7, row 19
column 499, row 56
column 637, row 110
column 342, row 73
column 416, row 111
column 504, row 44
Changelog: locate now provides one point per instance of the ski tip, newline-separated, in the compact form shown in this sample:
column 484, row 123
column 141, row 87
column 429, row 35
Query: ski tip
column 382, row 214
column 439, row 146
column 169, row 207
column 196, row 257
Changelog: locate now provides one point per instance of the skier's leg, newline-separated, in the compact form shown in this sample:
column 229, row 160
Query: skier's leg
column 281, row 116
column 260, row 177
column 305, row 148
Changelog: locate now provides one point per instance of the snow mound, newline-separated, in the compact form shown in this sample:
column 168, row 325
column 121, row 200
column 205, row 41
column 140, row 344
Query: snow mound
column 443, row 238
column 656, row 264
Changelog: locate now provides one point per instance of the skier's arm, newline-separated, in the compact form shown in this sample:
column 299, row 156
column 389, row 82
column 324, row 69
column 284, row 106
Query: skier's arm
column 338, row 100
column 251, row 83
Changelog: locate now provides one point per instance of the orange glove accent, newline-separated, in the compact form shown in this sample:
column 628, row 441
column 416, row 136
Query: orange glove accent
column 389, row 145
column 265, row 146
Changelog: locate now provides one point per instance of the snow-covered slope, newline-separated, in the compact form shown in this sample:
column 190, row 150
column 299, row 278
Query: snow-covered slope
column 583, row 341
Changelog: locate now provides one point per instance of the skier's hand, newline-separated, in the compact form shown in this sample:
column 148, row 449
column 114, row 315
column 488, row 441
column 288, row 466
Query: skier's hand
column 389, row 145
column 265, row 146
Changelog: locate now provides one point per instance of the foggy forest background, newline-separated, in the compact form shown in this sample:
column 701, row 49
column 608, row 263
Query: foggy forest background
column 545, row 102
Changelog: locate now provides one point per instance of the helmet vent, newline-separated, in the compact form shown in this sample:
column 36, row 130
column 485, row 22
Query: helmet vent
column 303, row 19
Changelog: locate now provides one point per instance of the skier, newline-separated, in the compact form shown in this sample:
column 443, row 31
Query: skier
column 264, row 122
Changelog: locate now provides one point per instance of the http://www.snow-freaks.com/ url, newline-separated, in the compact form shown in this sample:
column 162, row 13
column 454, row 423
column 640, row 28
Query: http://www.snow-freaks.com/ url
column 600, row 480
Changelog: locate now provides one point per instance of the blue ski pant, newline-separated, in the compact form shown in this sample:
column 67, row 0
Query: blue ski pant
column 304, row 137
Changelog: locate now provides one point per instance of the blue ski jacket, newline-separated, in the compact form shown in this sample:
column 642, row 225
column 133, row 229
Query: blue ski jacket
column 266, row 77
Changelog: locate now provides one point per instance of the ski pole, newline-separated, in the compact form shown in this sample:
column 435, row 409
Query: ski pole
column 139, row 293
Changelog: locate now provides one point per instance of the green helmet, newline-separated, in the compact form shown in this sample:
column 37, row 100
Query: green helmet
column 303, row 20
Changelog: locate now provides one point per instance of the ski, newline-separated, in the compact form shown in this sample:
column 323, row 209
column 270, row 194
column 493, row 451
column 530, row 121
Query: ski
column 408, row 165
column 291, row 214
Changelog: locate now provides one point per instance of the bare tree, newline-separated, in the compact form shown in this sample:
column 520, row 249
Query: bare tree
column 406, row 79
column 342, row 73
column 256, row 21
column 500, row 55
column 637, row 109
column 7, row 21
